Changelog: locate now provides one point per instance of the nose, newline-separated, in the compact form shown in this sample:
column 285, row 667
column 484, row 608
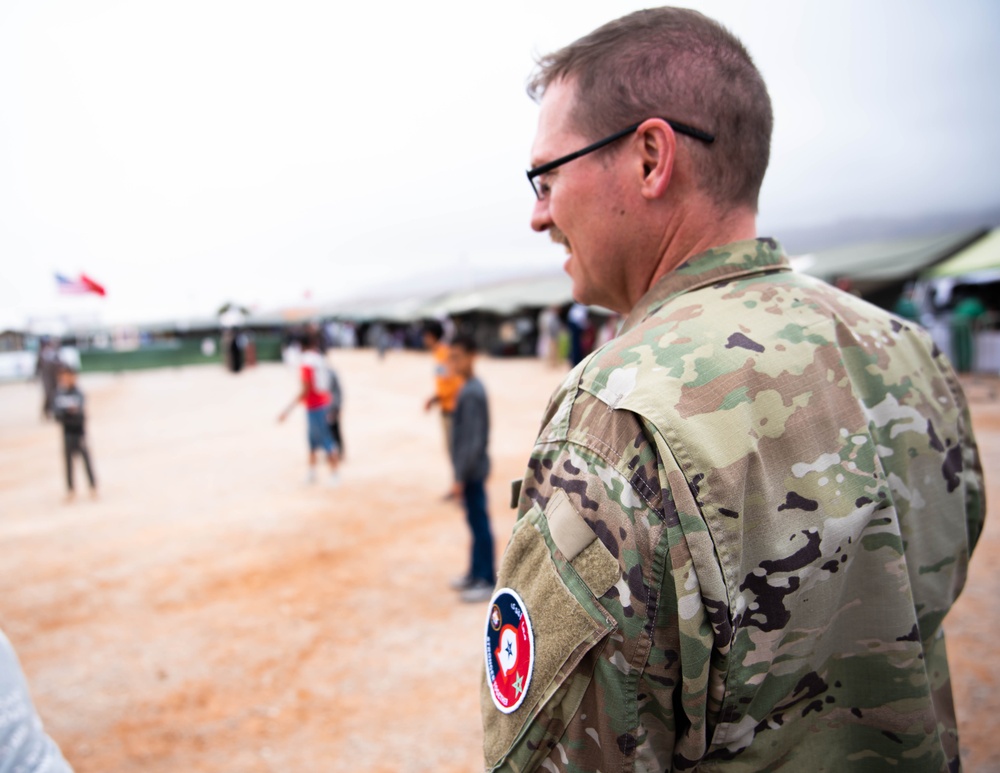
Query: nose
column 541, row 220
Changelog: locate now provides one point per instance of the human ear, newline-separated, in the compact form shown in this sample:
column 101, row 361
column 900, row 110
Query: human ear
column 657, row 150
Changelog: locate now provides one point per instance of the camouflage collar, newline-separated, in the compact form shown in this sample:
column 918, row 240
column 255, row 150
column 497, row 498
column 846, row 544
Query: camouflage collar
column 720, row 264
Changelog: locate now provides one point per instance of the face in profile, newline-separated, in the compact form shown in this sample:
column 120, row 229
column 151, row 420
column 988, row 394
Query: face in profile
column 460, row 361
column 576, row 199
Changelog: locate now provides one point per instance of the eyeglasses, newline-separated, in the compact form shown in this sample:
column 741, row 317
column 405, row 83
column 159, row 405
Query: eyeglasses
column 542, row 190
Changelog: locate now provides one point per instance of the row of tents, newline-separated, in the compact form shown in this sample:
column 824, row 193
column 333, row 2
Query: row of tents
column 927, row 275
column 878, row 271
column 937, row 271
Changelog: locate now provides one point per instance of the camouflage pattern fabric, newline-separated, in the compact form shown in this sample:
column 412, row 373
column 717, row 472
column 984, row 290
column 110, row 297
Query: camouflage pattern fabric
column 787, row 481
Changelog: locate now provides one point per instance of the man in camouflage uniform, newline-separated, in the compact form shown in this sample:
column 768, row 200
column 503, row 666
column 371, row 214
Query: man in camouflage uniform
column 744, row 519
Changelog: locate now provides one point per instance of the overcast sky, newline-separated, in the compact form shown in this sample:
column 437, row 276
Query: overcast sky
column 189, row 152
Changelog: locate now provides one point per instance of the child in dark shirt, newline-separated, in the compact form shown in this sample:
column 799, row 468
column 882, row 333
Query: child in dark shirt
column 69, row 411
column 470, row 437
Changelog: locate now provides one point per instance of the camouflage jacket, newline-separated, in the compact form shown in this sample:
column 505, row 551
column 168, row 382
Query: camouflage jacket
column 741, row 527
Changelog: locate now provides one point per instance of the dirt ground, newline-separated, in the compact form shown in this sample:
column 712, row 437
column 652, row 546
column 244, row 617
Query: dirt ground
column 212, row 612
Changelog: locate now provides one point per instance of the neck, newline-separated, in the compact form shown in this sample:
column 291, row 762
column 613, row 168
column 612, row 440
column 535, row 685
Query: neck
column 687, row 236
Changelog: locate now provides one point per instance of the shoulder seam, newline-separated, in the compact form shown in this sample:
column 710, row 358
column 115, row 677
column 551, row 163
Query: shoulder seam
column 612, row 462
column 632, row 480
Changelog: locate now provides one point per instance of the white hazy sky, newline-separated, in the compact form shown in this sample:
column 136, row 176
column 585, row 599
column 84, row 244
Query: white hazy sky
column 189, row 152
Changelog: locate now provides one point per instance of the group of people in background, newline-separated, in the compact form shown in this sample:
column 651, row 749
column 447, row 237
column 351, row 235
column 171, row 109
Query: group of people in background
column 460, row 398
column 570, row 333
column 458, row 394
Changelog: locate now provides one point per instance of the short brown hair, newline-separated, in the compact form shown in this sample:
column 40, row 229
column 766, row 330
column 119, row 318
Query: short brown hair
column 679, row 64
column 465, row 342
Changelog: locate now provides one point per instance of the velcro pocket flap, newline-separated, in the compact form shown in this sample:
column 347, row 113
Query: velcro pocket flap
column 567, row 623
column 568, row 529
column 579, row 545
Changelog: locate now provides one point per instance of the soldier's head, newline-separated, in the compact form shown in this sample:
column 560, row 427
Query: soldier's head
column 462, row 355
column 433, row 333
column 687, row 120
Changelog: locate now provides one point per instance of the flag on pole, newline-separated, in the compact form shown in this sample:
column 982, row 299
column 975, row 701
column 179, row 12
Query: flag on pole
column 79, row 286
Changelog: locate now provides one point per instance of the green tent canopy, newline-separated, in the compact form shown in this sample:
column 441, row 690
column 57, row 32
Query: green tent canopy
column 875, row 265
column 981, row 255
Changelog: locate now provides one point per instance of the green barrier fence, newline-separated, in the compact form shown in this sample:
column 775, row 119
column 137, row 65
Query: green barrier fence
column 170, row 354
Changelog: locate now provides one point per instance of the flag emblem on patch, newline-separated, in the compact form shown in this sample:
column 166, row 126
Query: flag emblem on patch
column 510, row 650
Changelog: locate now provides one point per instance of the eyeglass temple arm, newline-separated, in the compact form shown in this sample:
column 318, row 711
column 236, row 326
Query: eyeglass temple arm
column 690, row 131
column 538, row 170
column 677, row 126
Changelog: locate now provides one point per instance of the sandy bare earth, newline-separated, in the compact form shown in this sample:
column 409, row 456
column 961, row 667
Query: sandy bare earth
column 211, row 612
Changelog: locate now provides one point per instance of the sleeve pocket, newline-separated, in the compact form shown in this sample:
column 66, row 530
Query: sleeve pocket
column 559, row 574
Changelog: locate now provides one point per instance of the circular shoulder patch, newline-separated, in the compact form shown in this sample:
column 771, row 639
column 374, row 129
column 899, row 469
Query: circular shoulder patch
column 510, row 650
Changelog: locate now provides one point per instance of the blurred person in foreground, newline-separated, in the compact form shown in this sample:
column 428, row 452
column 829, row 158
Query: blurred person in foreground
column 24, row 746
column 745, row 518
column 68, row 408
column 447, row 383
column 316, row 395
column 470, row 437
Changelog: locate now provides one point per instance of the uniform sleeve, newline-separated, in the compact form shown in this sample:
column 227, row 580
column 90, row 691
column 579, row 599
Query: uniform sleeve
column 634, row 691
column 976, row 488
column 964, row 462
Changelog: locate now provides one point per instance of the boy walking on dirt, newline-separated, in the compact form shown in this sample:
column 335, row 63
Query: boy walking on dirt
column 69, row 411
column 470, row 436
column 316, row 396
